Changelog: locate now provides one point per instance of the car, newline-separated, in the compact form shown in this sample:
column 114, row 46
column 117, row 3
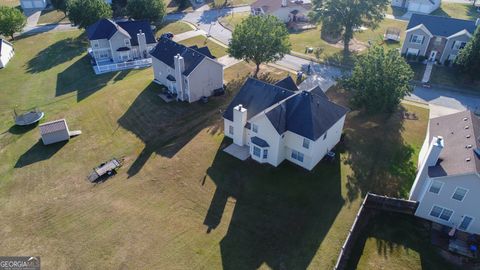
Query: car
column 168, row 35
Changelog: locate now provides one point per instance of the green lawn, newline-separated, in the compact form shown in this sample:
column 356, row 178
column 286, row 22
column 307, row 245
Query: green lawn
column 52, row 16
column 455, row 10
column 450, row 77
column 244, row 69
column 396, row 11
column 232, row 3
column 233, row 19
column 173, row 27
column 176, row 182
column 216, row 49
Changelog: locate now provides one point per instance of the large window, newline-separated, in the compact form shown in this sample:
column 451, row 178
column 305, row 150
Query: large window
column 442, row 213
column 446, row 214
column 306, row 143
column 256, row 151
column 297, row 155
column 230, row 130
column 436, row 211
column 459, row 194
column 435, row 187
column 417, row 39
column 466, row 221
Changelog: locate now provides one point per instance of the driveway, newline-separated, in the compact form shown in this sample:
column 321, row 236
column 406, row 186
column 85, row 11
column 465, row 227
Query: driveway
column 33, row 15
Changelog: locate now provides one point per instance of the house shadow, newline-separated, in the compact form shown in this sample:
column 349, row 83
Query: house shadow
column 165, row 128
column 80, row 78
column 38, row 152
column 58, row 53
column 380, row 159
column 281, row 215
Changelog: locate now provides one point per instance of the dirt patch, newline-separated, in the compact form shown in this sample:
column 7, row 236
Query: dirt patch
column 354, row 45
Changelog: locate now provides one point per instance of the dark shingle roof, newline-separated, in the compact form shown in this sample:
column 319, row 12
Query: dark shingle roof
column 256, row 96
column 441, row 26
column 166, row 50
column 306, row 114
column 460, row 143
column 105, row 29
column 260, row 142
column 287, row 83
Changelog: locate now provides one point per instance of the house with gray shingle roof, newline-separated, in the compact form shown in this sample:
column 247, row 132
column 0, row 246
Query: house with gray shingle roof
column 437, row 38
column 273, row 123
column 189, row 73
column 447, row 185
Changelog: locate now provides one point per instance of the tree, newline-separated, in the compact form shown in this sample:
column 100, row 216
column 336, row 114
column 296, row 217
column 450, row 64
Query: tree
column 259, row 39
column 347, row 15
column 60, row 5
column 380, row 79
column 11, row 21
column 86, row 12
column 468, row 59
column 152, row 10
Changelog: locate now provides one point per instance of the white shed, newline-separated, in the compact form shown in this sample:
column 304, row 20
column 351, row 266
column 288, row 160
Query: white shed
column 54, row 131
column 6, row 52
column 29, row 4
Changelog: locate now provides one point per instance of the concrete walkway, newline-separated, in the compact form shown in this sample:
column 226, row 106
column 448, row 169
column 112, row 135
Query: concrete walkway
column 428, row 72
column 189, row 34
column 33, row 15
column 228, row 61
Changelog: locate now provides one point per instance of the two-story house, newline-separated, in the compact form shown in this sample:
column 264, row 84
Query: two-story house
column 275, row 124
column 437, row 38
column 6, row 52
column 189, row 73
column 285, row 10
column 447, row 185
column 120, row 45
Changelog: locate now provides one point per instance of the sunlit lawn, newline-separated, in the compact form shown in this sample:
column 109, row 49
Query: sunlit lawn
column 173, row 27
column 52, row 16
column 216, row 49
column 233, row 19
column 456, row 10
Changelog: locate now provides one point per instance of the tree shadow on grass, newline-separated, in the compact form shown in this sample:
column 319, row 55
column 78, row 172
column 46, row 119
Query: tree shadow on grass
column 281, row 214
column 39, row 152
column 165, row 128
column 58, row 53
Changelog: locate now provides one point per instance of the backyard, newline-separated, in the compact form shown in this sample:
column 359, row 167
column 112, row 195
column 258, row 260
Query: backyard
column 179, row 201
column 216, row 49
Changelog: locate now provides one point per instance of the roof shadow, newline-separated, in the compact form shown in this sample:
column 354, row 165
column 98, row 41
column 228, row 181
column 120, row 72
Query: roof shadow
column 39, row 152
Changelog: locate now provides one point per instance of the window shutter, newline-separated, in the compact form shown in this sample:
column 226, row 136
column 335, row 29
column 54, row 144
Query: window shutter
column 423, row 39
column 411, row 37
column 453, row 44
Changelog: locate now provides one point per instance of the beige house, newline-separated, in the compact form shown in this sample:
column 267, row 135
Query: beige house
column 120, row 45
column 285, row 10
column 437, row 38
column 189, row 73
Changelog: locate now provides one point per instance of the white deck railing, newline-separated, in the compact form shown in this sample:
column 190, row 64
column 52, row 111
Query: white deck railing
column 102, row 68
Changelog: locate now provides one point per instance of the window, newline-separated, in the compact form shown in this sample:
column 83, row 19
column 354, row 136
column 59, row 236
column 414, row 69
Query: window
column 256, row 151
column 465, row 223
column 459, row 194
column 127, row 42
column 436, row 211
column 230, row 130
column 95, row 43
column 306, row 143
column 435, row 187
column 417, row 39
column 265, row 153
column 458, row 45
column 254, row 128
column 446, row 214
column 441, row 213
column 411, row 51
column 297, row 155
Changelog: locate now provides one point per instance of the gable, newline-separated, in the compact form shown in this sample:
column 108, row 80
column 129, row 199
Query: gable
column 441, row 26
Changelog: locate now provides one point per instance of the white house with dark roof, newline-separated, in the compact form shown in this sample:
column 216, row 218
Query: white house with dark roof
column 285, row 10
column 6, row 52
column 447, row 185
column 274, row 123
column 189, row 73
column 437, row 38
column 120, row 45
column 418, row 6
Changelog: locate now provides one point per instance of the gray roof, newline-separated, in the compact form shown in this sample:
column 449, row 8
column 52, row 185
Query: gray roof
column 460, row 143
column 260, row 142
column 441, row 26
column 53, row 126
column 106, row 28
column 287, row 83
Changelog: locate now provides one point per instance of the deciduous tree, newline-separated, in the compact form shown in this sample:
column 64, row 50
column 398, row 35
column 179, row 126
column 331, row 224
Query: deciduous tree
column 259, row 39
column 468, row 59
column 11, row 21
column 380, row 79
column 152, row 10
column 86, row 12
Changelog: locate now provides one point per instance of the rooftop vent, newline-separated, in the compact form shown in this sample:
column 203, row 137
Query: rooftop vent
column 467, row 159
column 465, row 119
column 468, row 136
column 469, row 146
column 466, row 127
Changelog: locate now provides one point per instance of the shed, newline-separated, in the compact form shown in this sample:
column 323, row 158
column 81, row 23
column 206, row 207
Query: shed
column 54, row 131
column 392, row 33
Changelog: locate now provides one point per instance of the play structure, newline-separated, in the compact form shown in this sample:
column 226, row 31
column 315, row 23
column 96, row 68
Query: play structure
column 27, row 118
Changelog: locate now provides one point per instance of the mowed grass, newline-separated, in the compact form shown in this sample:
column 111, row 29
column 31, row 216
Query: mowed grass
column 244, row 69
column 179, row 202
column 456, row 10
column 174, row 28
column 231, row 20
column 49, row 16
column 201, row 41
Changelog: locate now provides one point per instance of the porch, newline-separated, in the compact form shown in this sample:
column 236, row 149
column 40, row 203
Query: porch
column 109, row 66
column 240, row 152
column 461, row 246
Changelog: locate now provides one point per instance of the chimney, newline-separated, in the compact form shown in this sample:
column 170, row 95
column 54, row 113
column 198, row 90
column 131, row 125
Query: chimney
column 179, row 68
column 239, row 122
column 435, row 149
column 284, row 3
column 142, row 45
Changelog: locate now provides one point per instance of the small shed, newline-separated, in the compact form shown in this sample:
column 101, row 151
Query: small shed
column 54, row 131
column 392, row 33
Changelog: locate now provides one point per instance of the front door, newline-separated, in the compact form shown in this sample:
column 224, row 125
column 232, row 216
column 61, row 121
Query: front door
column 433, row 56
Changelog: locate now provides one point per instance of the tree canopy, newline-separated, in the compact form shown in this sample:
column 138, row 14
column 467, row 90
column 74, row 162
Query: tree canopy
column 11, row 21
column 60, row 5
column 152, row 10
column 380, row 79
column 259, row 39
column 348, row 15
column 86, row 12
column 468, row 59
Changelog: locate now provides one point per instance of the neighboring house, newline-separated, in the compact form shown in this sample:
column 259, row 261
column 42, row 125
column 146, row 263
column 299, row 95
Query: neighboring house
column 285, row 10
column 29, row 4
column 120, row 45
column 189, row 73
column 274, row 123
column 6, row 52
column 54, row 131
column 420, row 6
column 447, row 185
column 437, row 38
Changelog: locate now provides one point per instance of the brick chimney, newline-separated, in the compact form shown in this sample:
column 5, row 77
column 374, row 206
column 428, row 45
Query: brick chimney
column 239, row 122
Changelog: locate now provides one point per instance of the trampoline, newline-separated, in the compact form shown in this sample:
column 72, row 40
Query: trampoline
column 28, row 118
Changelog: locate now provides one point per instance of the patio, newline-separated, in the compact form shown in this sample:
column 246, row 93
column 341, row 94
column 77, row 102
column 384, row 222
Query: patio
column 240, row 152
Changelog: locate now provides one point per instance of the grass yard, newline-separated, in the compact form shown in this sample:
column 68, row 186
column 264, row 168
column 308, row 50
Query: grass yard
column 456, row 10
column 231, row 3
column 216, row 49
column 173, row 27
column 49, row 16
column 244, row 69
column 395, row 11
column 10, row 3
column 450, row 77
column 179, row 202
column 397, row 242
column 231, row 20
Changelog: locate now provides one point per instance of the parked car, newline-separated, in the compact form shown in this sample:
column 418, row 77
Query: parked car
column 168, row 35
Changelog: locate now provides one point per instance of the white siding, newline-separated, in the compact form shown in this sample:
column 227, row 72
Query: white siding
column 6, row 54
column 267, row 132
column 205, row 78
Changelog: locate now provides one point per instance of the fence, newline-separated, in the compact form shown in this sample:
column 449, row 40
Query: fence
column 371, row 202
column 125, row 65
